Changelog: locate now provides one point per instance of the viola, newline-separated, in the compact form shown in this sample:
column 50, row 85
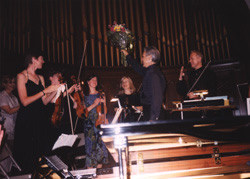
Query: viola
column 78, row 96
column 81, row 110
column 58, row 111
column 101, row 111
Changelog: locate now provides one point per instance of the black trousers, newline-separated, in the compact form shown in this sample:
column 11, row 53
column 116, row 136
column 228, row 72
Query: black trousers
column 146, row 113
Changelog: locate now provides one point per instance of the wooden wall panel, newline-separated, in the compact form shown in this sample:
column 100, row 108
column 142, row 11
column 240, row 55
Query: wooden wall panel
column 62, row 24
column 61, row 28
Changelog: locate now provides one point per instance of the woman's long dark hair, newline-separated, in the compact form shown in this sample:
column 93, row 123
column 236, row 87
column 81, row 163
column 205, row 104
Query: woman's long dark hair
column 86, row 85
column 32, row 53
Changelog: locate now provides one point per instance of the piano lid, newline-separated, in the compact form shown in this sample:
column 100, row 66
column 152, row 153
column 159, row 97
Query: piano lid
column 220, row 129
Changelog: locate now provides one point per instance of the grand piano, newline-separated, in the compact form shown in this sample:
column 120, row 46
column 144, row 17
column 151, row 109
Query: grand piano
column 210, row 147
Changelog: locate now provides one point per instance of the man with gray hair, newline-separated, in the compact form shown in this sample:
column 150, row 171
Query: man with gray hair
column 153, row 83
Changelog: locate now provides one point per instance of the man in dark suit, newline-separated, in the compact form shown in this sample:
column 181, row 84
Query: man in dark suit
column 153, row 83
column 206, row 82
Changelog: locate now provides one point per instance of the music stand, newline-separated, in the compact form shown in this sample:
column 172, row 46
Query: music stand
column 55, row 165
column 138, row 111
column 6, row 153
column 119, row 110
column 201, row 93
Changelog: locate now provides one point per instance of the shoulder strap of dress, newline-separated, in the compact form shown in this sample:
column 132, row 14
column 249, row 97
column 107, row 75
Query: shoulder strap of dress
column 39, row 78
column 27, row 74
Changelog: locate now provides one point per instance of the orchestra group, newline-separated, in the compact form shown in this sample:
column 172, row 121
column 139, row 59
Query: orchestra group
column 44, row 108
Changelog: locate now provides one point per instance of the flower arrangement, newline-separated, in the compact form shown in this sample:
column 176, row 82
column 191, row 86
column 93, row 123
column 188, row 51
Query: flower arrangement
column 121, row 37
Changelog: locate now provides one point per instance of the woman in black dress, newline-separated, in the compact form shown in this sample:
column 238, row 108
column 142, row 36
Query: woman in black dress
column 30, row 133
column 128, row 98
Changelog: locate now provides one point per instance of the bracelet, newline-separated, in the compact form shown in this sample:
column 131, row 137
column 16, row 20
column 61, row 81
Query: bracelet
column 43, row 93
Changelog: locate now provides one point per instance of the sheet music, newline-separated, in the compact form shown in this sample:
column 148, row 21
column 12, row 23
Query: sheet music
column 65, row 140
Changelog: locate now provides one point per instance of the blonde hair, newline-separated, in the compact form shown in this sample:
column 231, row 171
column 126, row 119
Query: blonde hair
column 131, row 85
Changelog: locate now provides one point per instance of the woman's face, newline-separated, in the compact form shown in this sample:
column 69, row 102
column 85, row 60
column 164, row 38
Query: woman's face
column 55, row 79
column 10, row 85
column 125, row 84
column 93, row 82
column 39, row 62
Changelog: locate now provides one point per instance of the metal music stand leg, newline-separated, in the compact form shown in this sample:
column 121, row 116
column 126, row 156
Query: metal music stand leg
column 140, row 117
column 75, row 124
column 3, row 171
column 203, row 114
column 121, row 142
column 182, row 116
column 11, row 158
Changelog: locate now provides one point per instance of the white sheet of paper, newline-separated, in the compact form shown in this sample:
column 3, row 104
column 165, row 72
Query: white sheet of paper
column 65, row 140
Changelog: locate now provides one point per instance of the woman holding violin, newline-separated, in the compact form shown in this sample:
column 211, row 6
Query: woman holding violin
column 78, row 96
column 96, row 152
column 57, row 109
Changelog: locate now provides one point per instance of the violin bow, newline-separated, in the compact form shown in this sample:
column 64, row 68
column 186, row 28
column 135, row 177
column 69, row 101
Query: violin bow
column 83, row 55
column 199, row 77
column 70, row 115
column 79, row 73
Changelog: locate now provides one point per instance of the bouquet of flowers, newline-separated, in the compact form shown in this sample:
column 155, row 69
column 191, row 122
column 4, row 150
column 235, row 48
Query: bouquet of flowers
column 122, row 38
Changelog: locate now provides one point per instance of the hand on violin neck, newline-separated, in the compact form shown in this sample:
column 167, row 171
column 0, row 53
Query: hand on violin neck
column 102, row 100
column 72, row 88
column 97, row 101
column 78, row 88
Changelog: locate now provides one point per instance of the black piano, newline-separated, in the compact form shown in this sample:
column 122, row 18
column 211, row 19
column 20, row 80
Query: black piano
column 176, row 148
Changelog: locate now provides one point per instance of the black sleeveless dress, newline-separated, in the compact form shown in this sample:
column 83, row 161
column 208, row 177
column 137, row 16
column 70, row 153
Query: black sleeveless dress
column 30, row 131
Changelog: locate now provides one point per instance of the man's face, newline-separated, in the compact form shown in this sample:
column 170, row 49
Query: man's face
column 146, row 60
column 195, row 60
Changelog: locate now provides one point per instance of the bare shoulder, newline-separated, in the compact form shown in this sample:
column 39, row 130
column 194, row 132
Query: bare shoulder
column 22, row 76
column 41, row 77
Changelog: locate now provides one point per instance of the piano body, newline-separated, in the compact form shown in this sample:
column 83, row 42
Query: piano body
column 175, row 148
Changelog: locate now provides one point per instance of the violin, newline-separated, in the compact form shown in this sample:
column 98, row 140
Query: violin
column 81, row 110
column 101, row 111
column 59, row 110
